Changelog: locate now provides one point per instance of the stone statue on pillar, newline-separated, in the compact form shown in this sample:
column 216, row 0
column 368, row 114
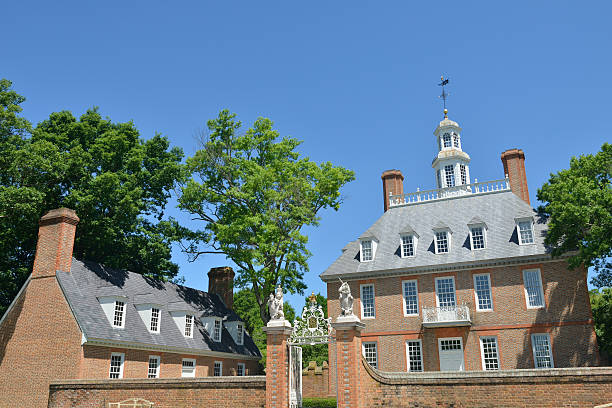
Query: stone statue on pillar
column 275, row 305
column 346, row 300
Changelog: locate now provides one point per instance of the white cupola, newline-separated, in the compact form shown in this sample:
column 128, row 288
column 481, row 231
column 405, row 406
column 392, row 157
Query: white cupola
column 451, row 165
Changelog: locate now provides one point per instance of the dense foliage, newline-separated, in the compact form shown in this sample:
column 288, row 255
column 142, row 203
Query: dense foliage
column 578, row 206
column 117, row 182
column 601, row 303
column 253, row 194
column 319, row 402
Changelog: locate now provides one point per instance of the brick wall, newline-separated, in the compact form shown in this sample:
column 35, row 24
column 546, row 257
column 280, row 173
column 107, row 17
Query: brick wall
column 96, row 363
column 221, row 392
column 315, row 380
column 564, row 387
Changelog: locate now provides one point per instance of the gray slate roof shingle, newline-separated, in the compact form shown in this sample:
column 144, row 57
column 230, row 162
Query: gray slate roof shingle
column 89, row 280
column 497, row 210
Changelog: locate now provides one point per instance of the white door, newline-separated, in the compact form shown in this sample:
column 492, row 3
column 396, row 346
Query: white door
column 451, row 354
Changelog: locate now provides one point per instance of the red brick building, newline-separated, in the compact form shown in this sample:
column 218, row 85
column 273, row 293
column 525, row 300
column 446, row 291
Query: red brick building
column 80, row 320
column 459, row 278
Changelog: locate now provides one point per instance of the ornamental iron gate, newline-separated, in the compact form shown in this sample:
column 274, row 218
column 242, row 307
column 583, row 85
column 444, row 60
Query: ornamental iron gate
column 309, row 329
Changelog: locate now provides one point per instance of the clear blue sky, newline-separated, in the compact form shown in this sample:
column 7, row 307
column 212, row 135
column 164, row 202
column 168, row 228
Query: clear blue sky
column 356, row 81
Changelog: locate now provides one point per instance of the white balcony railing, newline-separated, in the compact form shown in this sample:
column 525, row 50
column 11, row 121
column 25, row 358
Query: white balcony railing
column 446, row 316
column 418, row 196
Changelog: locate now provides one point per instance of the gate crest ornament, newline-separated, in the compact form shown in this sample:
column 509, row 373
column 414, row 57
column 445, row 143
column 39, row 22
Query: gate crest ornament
column 312, row 327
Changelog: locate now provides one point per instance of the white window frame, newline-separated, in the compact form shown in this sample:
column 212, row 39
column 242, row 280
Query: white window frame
column 372, row 249
column 533, row 349
column 243, row 366
column 448, row 241
column 220, row 363
column 416, row 286
column 484, row 236
column 190, row 327
column 363, row 349
column 122, row 356
column 541, row 288
column 450, row 140
column 216, row 336
column 123, row 313
column 449, row 175
column 436, row 289
column 482, row 354
column 191, row 374
column 420, row 354
column 463, row 174
column 240, row 334
column 373, row 300
column 158, row 320
column 518, row 230
column 414, row 242
column 156, row 373
column 477, row 297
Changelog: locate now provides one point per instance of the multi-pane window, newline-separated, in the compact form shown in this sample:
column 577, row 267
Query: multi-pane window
column 447, row 140
column 441, row 242
column 366, row 250
column 450, row 344
column 119, row 313
column 188, row 368
column 370, row 353
column 116, row 365
column 414, row 355
column 153, row 367
column 489, row 354
column 533, row 288
column 240, row 333
column 445, row 292
column 217, row 330
column 439, row 179
column 188, row 325
column 478, row 237
column 455, row 140
column 411, row 297
column 482, row 289
column 542, row 352
column 367, row 301
column 449, row 172
column 154, row 320
column 241, row 370
column 463, row 174
column 525, row 232
column 218, row 369
column 407, row 245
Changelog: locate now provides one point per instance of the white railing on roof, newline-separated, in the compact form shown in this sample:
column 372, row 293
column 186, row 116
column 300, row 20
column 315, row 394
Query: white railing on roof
column 418, row 196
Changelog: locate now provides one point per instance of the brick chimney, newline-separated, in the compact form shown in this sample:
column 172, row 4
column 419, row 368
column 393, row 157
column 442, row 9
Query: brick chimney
column 514, row 168
column 221, row 282
column 55, row 241
column 393, row 184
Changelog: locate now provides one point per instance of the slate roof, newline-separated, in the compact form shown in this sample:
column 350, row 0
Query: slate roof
column 88, row 280
column 497, row 211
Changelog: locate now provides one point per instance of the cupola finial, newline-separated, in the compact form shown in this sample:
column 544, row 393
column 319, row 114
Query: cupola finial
column 444, row 95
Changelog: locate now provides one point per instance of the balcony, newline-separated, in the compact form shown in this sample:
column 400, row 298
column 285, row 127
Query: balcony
column 446, row 316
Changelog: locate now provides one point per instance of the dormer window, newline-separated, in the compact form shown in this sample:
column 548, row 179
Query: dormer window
column 447, row 140
column 408, row 245
column 240, row 334
column 188, row 325
column 216, row 334
column 477, row 237
column 119, row 315
column 442, row 243
column 367, row 250
column 154, row 326
column 525, row 231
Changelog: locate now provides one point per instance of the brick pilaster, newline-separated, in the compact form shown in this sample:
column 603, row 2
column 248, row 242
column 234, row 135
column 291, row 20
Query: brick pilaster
column 348, row 362
column 277, row 365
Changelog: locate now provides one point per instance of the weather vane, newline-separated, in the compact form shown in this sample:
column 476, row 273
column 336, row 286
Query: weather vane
column 444, row 94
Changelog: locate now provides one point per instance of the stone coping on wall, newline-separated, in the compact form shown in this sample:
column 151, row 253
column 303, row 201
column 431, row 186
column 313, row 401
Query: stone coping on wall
column 251, row 381
column 582, row 374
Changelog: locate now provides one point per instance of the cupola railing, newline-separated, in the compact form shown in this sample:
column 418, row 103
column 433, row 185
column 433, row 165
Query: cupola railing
column 477, row 188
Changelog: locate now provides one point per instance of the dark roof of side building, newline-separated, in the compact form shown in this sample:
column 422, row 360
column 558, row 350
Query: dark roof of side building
column 88, row 280
column 498, row 211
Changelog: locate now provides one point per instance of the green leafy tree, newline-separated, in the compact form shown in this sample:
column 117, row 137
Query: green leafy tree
column 245, row 306
column 578, row 205
column 318, row 352
column 254, row 193
column 601, row 304
column 118, row 184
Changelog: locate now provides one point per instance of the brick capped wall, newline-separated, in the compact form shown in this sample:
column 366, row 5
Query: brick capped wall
column 315, row 380
column 560, row 387
column 219, row 392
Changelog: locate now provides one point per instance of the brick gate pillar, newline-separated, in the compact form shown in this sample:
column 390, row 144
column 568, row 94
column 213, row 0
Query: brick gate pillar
column 277, row 364
column 348, row 360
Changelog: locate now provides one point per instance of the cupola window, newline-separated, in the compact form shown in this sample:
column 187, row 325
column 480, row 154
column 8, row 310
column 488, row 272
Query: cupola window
column 449, row 172
column 447, row 140
column 463, row 174
column 455, row 140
